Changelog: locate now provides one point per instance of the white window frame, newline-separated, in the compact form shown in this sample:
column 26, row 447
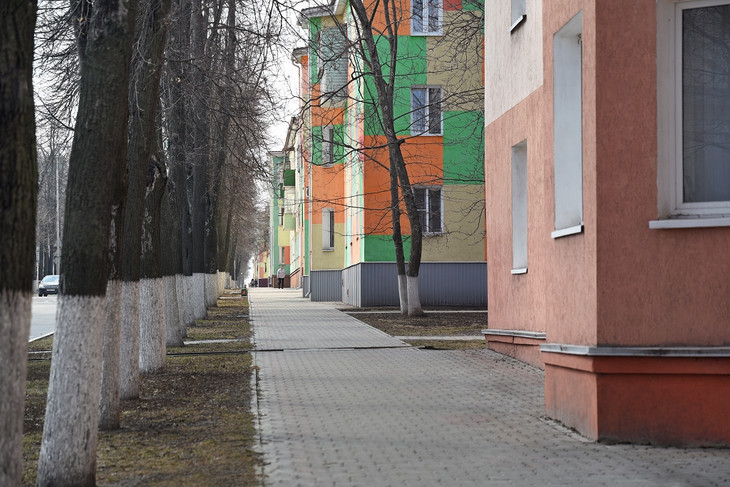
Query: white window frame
column 427, row 210
column 328, row 228
column 519, row 208
column 328, row 149
column 427, row 7
column 415, row 130
column 672, row 210
column 568, row 128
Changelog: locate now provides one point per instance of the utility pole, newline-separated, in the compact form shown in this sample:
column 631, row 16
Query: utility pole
column 57, row 255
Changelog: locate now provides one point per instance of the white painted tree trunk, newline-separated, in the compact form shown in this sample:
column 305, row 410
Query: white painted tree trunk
column 109, row 407
column 183, row 303
column 414, row 299
column 199, row 296
column 151, row 325
column 129, row 346
column 15, row 309
column 403, row 293
column 190, row 299
column 173, row 329
column 68, row 449
column 211, row 290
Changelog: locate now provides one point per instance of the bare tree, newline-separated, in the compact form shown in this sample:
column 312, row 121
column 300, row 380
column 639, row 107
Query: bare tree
column 68, row 448
column 150, row 41
column 18, row 189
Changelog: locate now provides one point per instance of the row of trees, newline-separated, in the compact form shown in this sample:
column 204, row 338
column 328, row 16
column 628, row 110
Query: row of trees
column 167, row 99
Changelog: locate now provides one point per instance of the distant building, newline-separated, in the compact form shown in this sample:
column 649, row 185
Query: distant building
column 608, row 194
column 345, row 224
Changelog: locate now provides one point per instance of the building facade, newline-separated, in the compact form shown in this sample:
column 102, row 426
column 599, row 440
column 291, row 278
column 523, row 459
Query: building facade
column 608, row 196
column 438, row 107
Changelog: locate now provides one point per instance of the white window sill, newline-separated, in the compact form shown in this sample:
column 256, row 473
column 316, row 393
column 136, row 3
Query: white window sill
column 520, row 20
column 689, row 223
column 564, row 232
column 328, row 250
column 427, row 34
column 419, row 134
column 521, row 270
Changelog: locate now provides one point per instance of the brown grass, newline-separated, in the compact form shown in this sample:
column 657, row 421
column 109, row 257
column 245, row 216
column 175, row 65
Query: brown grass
column 192, row 424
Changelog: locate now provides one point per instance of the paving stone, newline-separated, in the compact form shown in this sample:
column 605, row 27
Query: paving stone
column 371, row 416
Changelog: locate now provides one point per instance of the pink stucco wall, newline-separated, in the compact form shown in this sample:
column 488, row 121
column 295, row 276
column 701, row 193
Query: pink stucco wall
column 618, row 283
column 656, row 286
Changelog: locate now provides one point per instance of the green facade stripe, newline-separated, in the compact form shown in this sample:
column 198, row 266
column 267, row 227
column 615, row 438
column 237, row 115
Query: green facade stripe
column 472, row 5
column 338, row 143
column 464, row 147
column 379, row 248
column 411, row 69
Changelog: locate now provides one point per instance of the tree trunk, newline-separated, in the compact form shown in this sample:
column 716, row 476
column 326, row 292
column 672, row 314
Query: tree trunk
column 129, row 348
column 152, row 305
column 18, row 193
column 398, row 242
column 109, row 405
column 144, row 102
column 68, row 448
column 384, row 89
column 200, row 130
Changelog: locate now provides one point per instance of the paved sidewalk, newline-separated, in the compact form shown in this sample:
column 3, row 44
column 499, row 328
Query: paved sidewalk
column 341, row 403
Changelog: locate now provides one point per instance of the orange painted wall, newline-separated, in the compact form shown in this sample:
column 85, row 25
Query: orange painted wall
column 402, row 12
column 425, row 161
column 328, row 185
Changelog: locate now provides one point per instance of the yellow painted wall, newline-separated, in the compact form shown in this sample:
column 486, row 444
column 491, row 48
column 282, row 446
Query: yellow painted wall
column 328, row 259
column 463, row 219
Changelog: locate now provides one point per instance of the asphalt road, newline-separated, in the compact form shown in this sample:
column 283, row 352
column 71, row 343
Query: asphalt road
column 43, row 317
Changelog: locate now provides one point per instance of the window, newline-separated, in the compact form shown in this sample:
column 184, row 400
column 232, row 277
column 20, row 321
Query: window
column 568, row 135
column 694, row 113
column 426, row 17
column 328, row 229
column 519, row 208
column 519, row 14
column 328, row 153
column 426, row 110
column 332, row 64
column 428, row 201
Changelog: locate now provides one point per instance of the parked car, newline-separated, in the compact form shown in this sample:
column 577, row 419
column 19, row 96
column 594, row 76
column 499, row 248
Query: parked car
column 49, row 285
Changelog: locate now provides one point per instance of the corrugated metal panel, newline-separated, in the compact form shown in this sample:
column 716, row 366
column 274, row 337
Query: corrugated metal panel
column 326, row 285
column 351, row 285
column 376, row 284
column 379, row 284
column 305, row 286
column 440, row 284
column 453, row 284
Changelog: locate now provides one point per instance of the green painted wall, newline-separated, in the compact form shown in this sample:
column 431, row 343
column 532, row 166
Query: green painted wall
column 379, row 248
column 410, row 70
column 463, row 148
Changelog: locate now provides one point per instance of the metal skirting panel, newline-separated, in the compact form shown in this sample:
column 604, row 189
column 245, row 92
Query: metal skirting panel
column 326, row 285
column 440, row 284
column 305, row 286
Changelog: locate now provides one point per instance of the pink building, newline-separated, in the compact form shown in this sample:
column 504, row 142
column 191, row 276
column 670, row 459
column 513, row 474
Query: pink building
column 607, row 128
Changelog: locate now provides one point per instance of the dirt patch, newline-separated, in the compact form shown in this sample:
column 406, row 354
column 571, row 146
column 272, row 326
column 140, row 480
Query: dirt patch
column 431, row 324
column 192, row 424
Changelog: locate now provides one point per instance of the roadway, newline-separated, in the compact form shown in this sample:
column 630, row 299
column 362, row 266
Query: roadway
column 43, row 316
